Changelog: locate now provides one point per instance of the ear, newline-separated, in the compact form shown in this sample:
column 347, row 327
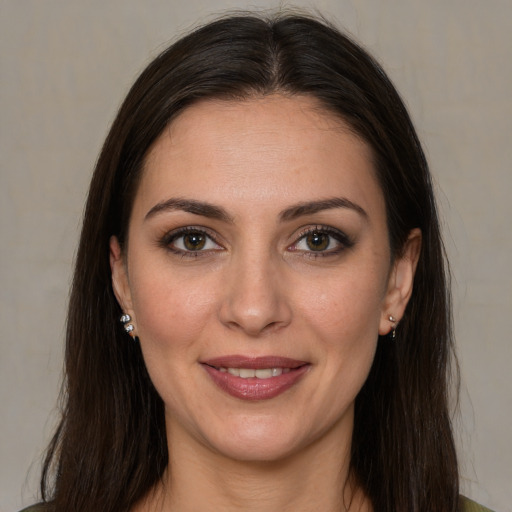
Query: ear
column 120, row 283
column 400, row 283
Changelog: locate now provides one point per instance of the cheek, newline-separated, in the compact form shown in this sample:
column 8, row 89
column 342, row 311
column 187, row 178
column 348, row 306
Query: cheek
column 344, row 314
column 171, row 313
column 170, row 310
column 345, row 306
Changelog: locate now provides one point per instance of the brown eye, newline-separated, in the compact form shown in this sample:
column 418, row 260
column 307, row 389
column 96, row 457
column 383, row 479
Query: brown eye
column 194, row 241
column 322, row 241
column 317, row 241
column 190, row 241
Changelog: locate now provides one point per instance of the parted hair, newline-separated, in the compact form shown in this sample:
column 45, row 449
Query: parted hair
column 110, row 447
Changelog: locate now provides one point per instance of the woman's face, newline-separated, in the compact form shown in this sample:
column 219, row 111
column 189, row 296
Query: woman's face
column 258, row 275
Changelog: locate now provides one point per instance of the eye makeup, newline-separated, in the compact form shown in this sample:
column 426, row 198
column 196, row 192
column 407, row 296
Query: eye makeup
column 190, row 242
column 321, row 241
column 312, row 241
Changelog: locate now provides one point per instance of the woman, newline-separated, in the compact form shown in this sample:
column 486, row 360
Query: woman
column 262, row 220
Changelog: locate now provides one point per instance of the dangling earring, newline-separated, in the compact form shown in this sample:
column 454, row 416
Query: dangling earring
column 394, row 321
column 128, row 327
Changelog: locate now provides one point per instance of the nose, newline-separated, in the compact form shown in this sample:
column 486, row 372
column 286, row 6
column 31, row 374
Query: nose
column 255, row 300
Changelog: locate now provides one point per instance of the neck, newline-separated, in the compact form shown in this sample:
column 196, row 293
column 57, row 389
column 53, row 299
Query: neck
column 316, row 478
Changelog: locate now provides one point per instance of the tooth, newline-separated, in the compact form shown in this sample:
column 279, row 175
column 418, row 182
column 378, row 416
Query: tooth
column 264, row 373
column 260, row 373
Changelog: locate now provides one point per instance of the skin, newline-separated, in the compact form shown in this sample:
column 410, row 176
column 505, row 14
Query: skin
column 257, row 289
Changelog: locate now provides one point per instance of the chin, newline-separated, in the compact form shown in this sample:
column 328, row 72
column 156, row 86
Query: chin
column 259, row 442
column 252, row 451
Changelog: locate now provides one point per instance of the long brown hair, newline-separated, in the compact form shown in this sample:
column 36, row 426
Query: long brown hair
column 110, row 447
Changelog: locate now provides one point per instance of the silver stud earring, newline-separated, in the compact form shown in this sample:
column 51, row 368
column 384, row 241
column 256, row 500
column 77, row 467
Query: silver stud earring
column 393, row 320
column 128, row 327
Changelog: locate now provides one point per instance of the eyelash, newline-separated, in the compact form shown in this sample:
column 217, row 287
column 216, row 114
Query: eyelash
column 170, row 238
column 342, row 240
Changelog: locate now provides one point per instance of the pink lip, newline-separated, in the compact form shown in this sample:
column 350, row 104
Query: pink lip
column 254, row 388
column 254, row 363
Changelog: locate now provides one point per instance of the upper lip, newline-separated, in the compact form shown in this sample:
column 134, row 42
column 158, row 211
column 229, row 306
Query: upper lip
column 253, row 363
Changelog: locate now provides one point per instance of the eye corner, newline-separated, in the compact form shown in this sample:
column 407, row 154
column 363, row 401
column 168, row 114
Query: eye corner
column 320, row 241
column 191, row 242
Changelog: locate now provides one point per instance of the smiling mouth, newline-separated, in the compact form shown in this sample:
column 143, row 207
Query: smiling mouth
column 255, row 378
column 260, row 373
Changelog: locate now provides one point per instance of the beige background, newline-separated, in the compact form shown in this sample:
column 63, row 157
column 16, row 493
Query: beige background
column 66, row 66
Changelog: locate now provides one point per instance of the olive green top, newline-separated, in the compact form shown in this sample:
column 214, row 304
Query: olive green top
column 471, row 506
column 467, row 506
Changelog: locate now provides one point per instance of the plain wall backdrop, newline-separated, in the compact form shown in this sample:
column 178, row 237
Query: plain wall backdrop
column 66, row 65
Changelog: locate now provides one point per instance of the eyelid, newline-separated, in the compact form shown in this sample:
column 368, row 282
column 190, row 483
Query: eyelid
column 344, row 241
column 169, row 237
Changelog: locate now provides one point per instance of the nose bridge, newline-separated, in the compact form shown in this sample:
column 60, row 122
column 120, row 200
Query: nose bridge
column 254, row 298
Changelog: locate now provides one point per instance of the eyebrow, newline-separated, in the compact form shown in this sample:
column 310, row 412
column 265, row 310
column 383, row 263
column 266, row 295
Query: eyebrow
column 211, row 211
column 191, row 206
column 311, row 207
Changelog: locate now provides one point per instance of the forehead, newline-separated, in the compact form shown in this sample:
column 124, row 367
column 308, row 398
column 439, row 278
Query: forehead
column 260, row 150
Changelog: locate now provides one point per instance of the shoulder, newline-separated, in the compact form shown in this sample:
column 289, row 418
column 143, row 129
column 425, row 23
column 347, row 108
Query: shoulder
column 41, row 507
column 470, row 506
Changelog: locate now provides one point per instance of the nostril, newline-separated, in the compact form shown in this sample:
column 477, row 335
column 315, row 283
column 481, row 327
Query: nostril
column 255, row 322
column 255, row 299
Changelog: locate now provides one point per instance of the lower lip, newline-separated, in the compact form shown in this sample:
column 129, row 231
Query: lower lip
column 253, row 388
